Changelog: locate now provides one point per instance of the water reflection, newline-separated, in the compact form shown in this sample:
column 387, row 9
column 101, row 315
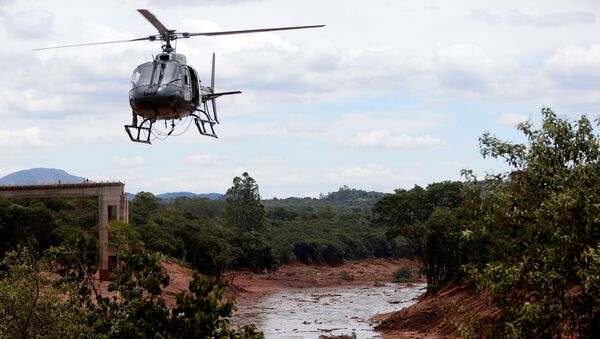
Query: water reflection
column 312, row 312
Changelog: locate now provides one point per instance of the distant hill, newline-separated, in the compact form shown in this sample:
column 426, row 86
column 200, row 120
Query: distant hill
column 172, row 195
column 39, row 176
column 345, row 199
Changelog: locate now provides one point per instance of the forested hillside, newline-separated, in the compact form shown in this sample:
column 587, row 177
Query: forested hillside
column 344, row 200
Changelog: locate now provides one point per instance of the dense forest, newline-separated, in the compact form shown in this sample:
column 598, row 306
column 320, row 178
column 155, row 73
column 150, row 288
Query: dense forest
column 238, row 232
column 530, row 237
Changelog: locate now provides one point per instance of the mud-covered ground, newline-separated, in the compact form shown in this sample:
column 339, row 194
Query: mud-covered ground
column 302, row 301
column 456, row 308
column 307, row 298
column 324, row 311
column 370, row 272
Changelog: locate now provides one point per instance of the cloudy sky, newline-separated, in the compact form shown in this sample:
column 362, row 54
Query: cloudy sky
column 389, row 94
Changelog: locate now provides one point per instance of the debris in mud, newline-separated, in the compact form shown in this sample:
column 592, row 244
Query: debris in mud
column 348, row 309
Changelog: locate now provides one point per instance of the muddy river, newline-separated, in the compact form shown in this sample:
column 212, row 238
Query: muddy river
column 311, row 312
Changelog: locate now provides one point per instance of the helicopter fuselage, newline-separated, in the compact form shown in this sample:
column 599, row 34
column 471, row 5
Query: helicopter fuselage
column 169, row 89
column 166, row 88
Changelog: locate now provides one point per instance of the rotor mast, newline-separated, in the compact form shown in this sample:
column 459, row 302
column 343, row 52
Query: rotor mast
column 165, row 34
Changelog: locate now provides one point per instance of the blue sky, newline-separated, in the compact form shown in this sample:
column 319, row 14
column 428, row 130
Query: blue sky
column 387, row 95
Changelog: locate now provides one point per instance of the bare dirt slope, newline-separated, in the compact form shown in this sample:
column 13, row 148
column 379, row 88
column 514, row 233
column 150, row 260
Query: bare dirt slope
column 443, row 314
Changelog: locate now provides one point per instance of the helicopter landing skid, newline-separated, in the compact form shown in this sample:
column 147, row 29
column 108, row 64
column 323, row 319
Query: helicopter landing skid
column 137, row 135
column 202, row 124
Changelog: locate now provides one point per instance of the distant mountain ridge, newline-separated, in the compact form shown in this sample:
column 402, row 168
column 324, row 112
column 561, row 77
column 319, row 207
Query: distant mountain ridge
column 172, row 195
column 40, row 175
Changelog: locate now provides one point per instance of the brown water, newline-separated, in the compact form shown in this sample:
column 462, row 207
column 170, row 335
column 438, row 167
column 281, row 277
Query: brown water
column 311, row 312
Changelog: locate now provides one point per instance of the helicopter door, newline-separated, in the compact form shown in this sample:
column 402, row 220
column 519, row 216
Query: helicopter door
column 187, row 85
column 195, row 91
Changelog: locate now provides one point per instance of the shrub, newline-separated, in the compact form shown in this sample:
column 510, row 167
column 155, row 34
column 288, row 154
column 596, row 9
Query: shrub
column 347, row 276
column 403, row 275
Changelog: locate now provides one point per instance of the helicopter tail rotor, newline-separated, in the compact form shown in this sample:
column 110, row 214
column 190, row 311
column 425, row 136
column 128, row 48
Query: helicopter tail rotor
column 212, row 76
column 207, row 112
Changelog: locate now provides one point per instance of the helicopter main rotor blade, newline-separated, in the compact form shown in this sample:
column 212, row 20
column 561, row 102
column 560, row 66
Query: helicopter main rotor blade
column 150, row 38
column 154, row 21
column 187, row 35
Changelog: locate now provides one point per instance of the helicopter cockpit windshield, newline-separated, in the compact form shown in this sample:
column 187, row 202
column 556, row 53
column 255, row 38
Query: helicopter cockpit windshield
column 156, row 74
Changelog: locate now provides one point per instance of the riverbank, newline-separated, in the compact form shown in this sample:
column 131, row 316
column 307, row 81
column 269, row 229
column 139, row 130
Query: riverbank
column 455, row 311
column 246, row 286
column 370, row 272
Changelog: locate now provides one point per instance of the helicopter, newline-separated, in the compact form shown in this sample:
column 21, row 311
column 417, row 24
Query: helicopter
column 169, row 89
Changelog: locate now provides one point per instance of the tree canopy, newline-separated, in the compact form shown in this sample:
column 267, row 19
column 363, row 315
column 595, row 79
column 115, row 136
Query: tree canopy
column 244, row 209
column 542, row 221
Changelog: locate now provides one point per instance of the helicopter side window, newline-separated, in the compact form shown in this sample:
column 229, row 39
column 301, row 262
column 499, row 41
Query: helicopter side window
column 186, row 76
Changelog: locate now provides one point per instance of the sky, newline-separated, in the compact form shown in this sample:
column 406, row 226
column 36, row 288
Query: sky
column 390, row 94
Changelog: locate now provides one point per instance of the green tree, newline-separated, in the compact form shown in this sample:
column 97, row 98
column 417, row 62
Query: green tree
column 30, row 225
column 136, row 308
column 255, row 252
column 244, row 210
column 30, row 307
column 204, row 313
column 142, row 207
column 405, row 212
column 442, row 256
column 122, row 237
column 430, row 220
column 541, row 222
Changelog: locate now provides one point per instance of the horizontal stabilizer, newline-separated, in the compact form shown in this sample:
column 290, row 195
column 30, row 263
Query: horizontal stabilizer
column 210, row 96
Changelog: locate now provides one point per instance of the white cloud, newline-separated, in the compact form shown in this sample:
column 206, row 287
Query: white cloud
column 24, row 138
column 135, row 161
column 552, row 19
column 575, row 67
column 370, row 171
column 203, row 159
column 464, row 67
column 31, row 100
column 33, row 23
column 511, row 119
column 383, row 138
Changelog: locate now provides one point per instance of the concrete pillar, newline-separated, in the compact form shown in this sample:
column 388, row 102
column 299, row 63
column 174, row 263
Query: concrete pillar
column 103, row 236
column 123, row 214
